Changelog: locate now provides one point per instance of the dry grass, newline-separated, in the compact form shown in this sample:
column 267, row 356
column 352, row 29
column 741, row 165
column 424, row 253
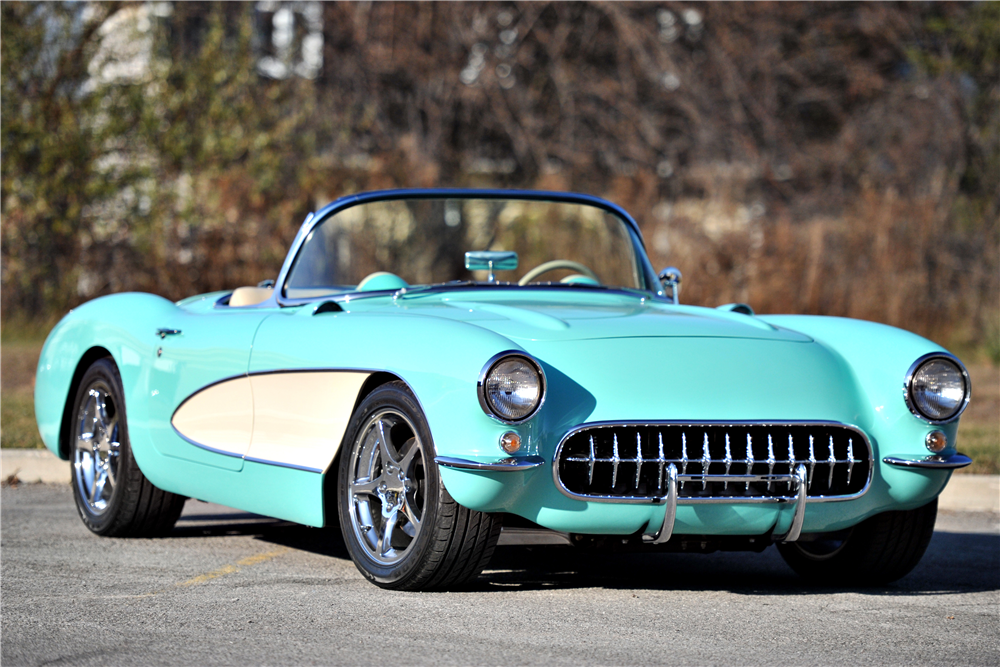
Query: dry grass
column 979, row 430
column 18, row 359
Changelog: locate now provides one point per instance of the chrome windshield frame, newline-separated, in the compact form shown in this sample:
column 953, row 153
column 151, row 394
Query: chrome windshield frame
column 313, row 220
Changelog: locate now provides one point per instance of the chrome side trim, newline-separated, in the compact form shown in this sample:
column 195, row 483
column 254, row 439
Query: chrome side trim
column 205, row 447
column 512, row 464
column 279, row 464
column 908, row 399
column 682, row 477
column 795, row 529
column 494, row 360
column 232, row 455
column 931, row 462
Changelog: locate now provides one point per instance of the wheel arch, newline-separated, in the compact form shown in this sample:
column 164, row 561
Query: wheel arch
column 374, row 381
column 66, row 423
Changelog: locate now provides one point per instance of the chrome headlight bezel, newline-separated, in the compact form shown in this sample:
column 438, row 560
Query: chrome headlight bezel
column 491, row 365
column 908, row 387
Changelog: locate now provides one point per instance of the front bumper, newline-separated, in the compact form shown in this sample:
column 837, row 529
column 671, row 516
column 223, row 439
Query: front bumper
column 529, row 491
column 931, row 462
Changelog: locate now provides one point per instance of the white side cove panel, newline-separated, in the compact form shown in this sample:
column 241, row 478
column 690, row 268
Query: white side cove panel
column 219, row 417
column 294, row 419
column 300, row 418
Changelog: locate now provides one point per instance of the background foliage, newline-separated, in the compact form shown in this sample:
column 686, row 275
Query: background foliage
column 841, row 159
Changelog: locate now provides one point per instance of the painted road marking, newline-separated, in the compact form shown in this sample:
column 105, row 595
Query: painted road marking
column 249, row 561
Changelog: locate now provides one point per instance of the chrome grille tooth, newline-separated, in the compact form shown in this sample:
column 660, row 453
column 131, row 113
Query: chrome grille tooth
column 706, row 461
column 791, row 460
column 638, row 458
column 728, row 460
column 614, row 463
column 770, row 460
column 661, row 462
column 832, row 460
column 593, row 460
column 850, row 459
column 812, row 462
column 749, row 458
column 684, row 455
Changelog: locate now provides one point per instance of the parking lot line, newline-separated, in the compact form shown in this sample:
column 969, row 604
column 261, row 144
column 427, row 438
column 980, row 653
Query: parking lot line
column 225, row 569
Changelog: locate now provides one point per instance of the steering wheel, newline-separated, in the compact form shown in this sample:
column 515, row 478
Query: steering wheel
column 545, row 267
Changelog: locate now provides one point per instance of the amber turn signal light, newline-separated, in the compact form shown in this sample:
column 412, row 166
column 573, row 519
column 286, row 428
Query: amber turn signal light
column 936, row 441
column 510, row 442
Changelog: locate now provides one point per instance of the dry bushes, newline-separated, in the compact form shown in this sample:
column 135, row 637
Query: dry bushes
column 886, row 260
column 803, row 157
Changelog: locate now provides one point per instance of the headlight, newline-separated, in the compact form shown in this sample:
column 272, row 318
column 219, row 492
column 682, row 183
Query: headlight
column 511, row 387
column 937, row 388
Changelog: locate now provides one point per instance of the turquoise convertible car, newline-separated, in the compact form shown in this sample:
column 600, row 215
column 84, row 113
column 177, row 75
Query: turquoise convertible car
column 430, row 364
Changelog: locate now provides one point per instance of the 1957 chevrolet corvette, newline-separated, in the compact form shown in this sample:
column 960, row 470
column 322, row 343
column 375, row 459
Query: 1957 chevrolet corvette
column 429, row 363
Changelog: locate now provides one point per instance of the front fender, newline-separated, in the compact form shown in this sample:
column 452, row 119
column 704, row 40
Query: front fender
column 439, row 359
column 122, row 325
column 879, row 357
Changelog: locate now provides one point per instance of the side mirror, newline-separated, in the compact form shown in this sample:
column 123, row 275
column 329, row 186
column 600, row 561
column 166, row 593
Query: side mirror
column 671, row 278
column 491, row 260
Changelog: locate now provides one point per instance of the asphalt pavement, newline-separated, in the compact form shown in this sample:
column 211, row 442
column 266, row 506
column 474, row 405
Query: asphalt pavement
column 229, row 588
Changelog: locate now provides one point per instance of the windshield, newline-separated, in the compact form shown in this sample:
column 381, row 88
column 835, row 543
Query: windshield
column 394, row 243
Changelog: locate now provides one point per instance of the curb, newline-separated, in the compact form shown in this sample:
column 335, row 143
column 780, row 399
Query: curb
column 33, row 465
column 971, row 493
column 964, row 493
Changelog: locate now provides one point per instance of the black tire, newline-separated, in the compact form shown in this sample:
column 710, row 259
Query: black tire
column 433, row 542
column 125, row 503
column 877, row 551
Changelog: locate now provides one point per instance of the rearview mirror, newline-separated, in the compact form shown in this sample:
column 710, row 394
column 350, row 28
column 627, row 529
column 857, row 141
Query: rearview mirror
column 491, row 260
column 671, row 279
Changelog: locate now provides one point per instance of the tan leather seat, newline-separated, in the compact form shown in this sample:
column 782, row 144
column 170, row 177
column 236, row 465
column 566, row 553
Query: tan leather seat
column 249, row 296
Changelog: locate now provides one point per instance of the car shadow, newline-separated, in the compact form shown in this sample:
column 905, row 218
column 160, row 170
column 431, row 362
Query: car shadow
column 955, row 563
column 322, row 541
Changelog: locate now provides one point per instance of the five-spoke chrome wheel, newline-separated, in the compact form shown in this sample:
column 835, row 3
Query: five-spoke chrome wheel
column 98, row 446
column 112, row 495
column 400, row 525
column 387, row 486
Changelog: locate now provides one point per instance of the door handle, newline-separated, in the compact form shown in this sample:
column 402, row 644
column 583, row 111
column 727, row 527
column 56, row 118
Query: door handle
column 163, row 333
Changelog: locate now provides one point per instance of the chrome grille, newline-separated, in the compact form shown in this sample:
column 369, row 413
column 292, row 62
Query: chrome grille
column 714, row 461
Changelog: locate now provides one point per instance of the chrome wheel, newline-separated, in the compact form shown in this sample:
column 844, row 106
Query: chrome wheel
column 386, row 486
column 95, row 461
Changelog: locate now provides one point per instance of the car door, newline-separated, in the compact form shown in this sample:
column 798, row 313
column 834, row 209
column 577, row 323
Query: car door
column 200, row 403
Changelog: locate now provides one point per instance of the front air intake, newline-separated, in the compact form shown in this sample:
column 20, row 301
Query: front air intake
column 715, row 462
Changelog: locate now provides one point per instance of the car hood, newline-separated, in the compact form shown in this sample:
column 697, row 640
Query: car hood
column 566, row 316
column 700, row 379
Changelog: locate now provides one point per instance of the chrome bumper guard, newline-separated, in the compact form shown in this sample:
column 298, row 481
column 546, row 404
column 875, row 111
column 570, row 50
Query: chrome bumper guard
column 798, row 481
column 933, row 461
column 511, row 464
